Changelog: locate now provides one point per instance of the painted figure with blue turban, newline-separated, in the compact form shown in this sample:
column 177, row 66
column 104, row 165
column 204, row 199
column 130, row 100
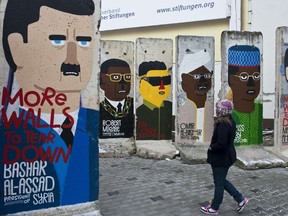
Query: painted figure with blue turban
column 244, row 81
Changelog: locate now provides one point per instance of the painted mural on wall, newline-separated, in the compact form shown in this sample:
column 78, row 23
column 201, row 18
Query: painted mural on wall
column 283, row 88
column 49, row 143
column 116, row 110
column 154, row 115
column 244, row 80
column 195, row 117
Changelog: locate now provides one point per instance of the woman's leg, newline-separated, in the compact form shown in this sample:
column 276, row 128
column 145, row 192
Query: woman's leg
column 229, row 187
column 219, row 176
column 240, row 199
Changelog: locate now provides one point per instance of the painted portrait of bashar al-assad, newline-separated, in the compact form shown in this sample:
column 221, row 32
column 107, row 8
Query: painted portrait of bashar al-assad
column 49, row 144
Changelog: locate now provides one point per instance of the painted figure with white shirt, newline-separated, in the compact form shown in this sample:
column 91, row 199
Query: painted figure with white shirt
column 195, row 117
column 49, row 46
column 116, row 110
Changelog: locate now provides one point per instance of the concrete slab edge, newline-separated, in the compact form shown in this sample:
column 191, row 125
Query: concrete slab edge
column 258, row 157
column 83, row 209
column 116, row 147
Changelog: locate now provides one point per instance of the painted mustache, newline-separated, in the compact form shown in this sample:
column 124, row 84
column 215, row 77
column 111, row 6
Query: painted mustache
column 202, row 86
column 251, row 92
column 70, row 69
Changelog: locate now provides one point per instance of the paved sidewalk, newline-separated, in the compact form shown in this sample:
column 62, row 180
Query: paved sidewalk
column 135, row 186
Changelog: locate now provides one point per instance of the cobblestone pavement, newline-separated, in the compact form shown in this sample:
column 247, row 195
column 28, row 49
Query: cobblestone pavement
column 135, row 186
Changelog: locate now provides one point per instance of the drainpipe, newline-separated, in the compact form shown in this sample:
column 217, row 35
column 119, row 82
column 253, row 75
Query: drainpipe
column 235, row 16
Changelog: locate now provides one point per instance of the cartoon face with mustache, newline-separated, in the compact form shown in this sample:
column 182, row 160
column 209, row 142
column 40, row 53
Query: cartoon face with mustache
column 115, row 79
column 197, row 83
column 57, row 55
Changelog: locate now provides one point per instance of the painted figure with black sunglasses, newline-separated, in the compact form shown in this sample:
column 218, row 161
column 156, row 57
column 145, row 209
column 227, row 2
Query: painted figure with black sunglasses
column 154, row 116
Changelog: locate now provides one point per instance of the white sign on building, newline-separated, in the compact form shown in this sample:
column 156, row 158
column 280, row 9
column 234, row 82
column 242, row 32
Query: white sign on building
column 123, row 14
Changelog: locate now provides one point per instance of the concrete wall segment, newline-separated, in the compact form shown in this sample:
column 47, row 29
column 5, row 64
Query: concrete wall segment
column 89, row 98
column 116, row 139
column 229, row 38
column 242, row 76
column 3, row 63
column 150, row 53
column 151, row 49
column 207, row 28
column 281, row 92
column 53, row 50
column 195, row 54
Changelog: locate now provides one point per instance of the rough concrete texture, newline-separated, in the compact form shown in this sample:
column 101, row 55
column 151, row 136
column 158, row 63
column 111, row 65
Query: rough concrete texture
column 84, row 209
column 193, row 154
column 256, row 157
column 120, row 147
column 283, row 154
column 248, row 157
column 156, row 150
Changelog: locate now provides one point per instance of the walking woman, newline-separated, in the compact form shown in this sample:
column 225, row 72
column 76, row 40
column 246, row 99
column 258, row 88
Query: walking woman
column 221, row 156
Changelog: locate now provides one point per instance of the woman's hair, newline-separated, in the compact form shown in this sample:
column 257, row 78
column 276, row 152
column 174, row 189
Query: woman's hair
column 224, row 118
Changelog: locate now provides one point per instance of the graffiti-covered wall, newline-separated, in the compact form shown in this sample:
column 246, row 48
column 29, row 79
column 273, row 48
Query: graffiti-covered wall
column 241, row 73
column 281, row 74
column 194, row 72
column 49, row 111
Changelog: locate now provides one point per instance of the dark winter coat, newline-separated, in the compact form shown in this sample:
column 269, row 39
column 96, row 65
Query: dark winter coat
column 221, row 152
